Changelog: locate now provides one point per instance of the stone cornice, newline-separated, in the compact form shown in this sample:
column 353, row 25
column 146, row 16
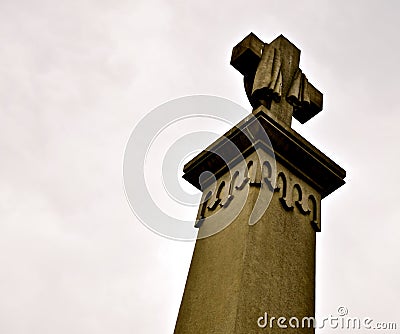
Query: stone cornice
column 290, row 148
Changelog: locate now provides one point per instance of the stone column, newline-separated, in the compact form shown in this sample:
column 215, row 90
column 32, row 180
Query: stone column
column 257, row 229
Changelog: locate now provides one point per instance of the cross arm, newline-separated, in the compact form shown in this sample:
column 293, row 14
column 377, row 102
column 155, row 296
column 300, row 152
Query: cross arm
column 257, row 60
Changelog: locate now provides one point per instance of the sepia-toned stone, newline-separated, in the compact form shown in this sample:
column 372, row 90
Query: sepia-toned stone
column 267, row 264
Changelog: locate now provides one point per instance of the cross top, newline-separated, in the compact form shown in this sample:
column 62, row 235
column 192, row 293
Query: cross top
column 272, row 78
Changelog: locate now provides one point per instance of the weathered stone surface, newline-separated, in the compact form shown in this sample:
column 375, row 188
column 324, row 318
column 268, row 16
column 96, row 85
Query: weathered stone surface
column 272, row 78
column 245, row 270
column 265, row 203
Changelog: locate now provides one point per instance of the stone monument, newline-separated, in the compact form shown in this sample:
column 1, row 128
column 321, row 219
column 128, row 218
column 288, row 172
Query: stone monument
column 262, row 260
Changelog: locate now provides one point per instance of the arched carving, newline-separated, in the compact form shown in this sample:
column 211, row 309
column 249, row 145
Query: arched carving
column 289, row 197
column 203, row 209
column 297, row 196
column 313, row 205
column 305, row 205
column 217, row 197
column 245, row 178
column 267, row 175
column 225, row 201
column 254, row 173
column 281, row 186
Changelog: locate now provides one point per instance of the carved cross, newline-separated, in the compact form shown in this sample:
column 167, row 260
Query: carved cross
column 272, row 78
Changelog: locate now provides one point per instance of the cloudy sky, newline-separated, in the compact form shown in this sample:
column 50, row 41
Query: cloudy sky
column 77, row 76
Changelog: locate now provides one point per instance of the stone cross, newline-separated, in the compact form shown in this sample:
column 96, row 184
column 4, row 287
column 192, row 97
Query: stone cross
column 272, row 78
column 254, row 260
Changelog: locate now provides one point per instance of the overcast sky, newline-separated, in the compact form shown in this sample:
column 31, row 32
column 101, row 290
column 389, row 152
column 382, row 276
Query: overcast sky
column 75, row 78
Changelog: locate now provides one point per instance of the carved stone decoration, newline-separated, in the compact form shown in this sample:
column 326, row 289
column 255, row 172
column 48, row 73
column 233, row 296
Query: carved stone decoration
column 267, row 77
column 216, row 198
column 244, row 181
column 267, row 175
column 297, row 195
column 221, row 195
column 261, row 204
column 314, row 210
column 254, row 173
column 290, row 197
column 304, row 98
column 227, row 200
column 299, row 95
column 267, row 84
column 281, row 187
column 296, row 199
column 203, row 209
column 246, row 176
